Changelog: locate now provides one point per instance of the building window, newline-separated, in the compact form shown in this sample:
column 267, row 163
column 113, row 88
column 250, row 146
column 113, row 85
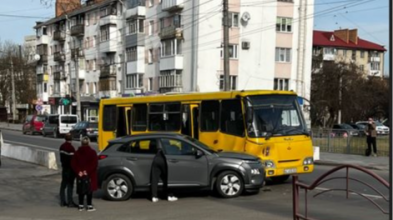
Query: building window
column 232, row 82
column 135, row 3
column 87, row 20
column 281, row 84
column 289, row 1
column 131, row 54
column 234, row 19
column 45, row 87
column 104, row 30
column 135, row 26
column 170, row 79
column 151, row 26
column 134, row 81
column 374, row 66
column 329, row 50
column 361, row 67
column 232, row 51
column 150, row 58
column 353, row 55
column 151, row 3
column 150, row 84
column 345, row 53
column 170, row 47
column 284, row 24
column 283, row 55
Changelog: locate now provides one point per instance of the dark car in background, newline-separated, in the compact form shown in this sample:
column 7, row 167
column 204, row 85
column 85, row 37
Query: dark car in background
column 344, row 130
column 360, row 128
column 124, row 166
column 85, row 129
column 33, row 124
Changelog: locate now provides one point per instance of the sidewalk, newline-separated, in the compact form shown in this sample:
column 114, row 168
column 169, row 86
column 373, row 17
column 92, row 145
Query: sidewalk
column 333, row 159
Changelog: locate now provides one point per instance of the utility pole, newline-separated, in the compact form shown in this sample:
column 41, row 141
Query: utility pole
column 78, row 100
column 13, row 92
column 226, row 44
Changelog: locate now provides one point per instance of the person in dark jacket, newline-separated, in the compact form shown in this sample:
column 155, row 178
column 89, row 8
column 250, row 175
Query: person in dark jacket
column 371, row 133
column 159, row 169
column 67, row 175
column 84, row 163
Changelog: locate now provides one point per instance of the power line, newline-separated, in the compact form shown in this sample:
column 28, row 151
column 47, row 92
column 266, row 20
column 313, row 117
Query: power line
column 22, row 16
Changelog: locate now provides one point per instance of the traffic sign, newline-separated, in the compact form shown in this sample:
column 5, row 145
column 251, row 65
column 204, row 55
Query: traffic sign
column 38, row 108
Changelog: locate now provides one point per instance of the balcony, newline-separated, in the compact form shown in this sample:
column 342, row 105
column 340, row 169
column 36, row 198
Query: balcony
column 137, row 66
column 109, row 46
column 77, row 52
column 172, row 5
column 139, row 11
column 329, row 57
column 171, row 63
column 43, row 39
column 107, row 71
column 59, row 36
column 137, row 39
column 59, row 75
column 110, row 19
column 59, row 56
column 170, row 83
column 375, row 59
column 171, row 32
column 78, row 30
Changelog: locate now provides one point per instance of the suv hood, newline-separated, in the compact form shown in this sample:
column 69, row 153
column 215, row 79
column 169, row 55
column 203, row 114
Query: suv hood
column 234, row 155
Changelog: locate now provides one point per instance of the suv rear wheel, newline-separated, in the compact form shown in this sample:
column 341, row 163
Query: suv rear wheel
column 117, row 187
column 229, row 184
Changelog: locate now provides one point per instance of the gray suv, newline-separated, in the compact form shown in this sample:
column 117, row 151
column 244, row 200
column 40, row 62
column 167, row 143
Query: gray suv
column 124, row 166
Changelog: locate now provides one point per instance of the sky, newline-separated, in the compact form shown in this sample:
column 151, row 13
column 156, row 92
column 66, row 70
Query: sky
column 370, row 17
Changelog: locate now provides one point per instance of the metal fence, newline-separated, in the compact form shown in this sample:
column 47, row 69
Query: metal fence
column 343, row 142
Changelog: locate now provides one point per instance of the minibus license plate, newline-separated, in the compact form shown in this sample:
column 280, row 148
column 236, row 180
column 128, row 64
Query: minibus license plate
column 288, row 171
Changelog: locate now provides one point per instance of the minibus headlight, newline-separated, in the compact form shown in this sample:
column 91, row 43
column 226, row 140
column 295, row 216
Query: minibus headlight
column 308, row 161
column 269, row 164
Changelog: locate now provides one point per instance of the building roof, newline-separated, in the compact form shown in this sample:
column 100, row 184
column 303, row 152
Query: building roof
column 322, row 38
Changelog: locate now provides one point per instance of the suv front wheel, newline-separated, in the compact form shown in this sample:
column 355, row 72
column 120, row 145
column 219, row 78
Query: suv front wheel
column 229, row 184
column 117, row 187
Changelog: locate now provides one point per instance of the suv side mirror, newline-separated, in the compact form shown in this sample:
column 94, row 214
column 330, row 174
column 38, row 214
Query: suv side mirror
column 199, row 154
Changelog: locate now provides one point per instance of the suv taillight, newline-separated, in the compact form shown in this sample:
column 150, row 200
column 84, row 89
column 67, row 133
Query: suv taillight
column 101, row 157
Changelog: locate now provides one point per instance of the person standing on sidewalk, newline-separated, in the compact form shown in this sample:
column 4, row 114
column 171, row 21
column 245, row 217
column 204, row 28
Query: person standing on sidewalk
column 67, row 175
column 371, row 134
column 85, row 163
column 159, row 169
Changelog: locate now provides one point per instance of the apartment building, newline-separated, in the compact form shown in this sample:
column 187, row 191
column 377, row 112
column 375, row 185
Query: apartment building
column 345, row 45
column 132, row 47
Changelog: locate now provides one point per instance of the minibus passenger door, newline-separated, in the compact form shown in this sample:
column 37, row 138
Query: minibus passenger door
column 121, row 128
column 195, row 121
column 128, row 115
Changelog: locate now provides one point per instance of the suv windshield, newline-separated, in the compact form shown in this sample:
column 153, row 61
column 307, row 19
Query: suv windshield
column 274, row 115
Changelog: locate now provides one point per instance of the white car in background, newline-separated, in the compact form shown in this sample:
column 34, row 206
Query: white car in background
column 381, row 129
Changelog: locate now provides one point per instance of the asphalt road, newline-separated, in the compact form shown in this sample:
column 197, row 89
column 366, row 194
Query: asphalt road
column 29, row 196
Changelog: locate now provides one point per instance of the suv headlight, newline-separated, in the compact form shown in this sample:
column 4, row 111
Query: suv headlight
column 255, row 171
column 308, row 161
column 269, row 164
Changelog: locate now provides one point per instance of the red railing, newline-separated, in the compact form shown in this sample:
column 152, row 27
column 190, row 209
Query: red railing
column 296, row 186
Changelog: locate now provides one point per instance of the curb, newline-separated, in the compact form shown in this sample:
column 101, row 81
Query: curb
column 333, row 163
column 11, row 129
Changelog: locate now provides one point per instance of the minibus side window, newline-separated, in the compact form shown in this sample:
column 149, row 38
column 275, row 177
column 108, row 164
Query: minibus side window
column 109, row 118
column 210, row 115
column 164, row 117
column 232, row 117
column 139, row 120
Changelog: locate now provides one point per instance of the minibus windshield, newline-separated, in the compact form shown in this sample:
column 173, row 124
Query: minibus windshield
column 274, row 115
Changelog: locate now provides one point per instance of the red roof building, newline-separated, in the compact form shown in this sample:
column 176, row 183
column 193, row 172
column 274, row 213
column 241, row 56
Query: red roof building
column 345, row 45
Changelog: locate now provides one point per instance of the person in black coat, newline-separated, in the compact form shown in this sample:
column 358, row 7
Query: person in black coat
column 67, row 175
column 159, row 169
